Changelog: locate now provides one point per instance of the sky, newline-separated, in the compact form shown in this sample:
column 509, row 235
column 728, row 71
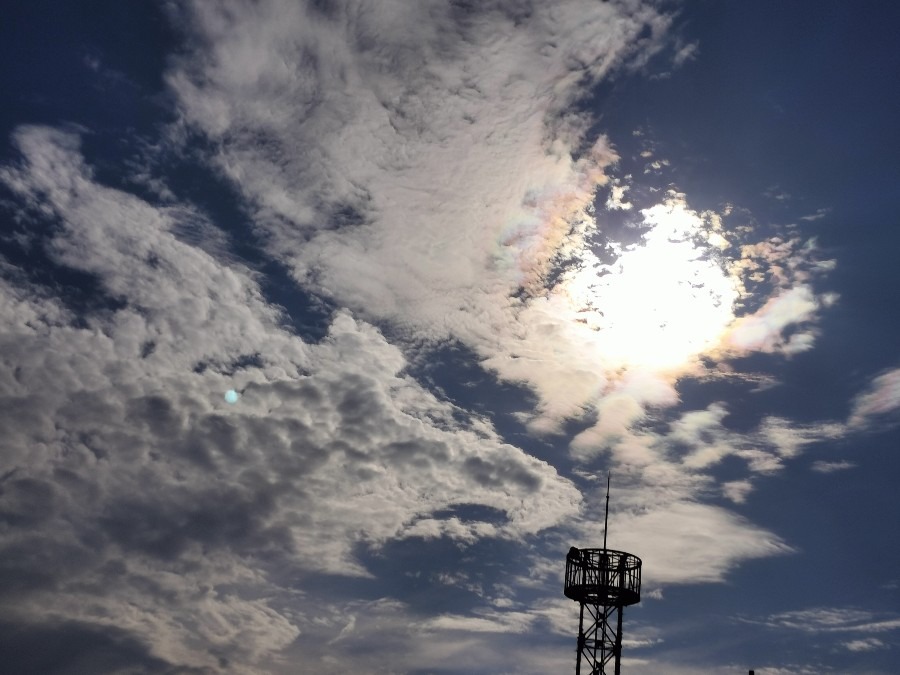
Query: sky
column 322, row 324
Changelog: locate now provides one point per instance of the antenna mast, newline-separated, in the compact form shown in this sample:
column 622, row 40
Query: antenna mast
column 603, row 582
column 606, row 514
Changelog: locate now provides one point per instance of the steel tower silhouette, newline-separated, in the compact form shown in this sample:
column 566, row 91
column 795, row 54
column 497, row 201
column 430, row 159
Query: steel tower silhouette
column 602, row 581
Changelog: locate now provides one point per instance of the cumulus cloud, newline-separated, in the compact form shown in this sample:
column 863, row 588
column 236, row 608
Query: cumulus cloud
column 135, row 496
column 438, row 192
column 436, row 178
column 421, row 166
column 425, row 176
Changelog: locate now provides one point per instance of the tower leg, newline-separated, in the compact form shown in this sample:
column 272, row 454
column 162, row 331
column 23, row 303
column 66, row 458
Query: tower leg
column 617, row 649
column 580, row 639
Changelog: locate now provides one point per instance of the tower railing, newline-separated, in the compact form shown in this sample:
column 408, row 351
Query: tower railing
column 603, row 576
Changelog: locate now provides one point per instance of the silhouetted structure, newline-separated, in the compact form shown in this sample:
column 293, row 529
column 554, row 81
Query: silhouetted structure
column 602, row 582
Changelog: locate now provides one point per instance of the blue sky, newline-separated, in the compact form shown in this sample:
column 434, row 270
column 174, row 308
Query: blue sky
column 322, row 324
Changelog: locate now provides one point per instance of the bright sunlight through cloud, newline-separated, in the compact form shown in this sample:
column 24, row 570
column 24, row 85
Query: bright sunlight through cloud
column 664, row 300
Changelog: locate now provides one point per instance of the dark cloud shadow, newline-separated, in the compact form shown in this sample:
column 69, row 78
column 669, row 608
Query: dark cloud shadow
column 71, row 648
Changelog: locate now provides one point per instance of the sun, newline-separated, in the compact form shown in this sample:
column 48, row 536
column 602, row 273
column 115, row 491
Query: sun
column 664, row 300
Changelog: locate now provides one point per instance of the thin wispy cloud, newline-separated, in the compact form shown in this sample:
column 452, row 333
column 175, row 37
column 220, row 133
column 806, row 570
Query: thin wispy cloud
column 881, row 399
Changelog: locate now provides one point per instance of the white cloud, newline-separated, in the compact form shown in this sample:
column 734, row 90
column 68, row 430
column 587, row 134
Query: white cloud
column 831, row 467
column 487, row 622
column 114, row 427
column 864, row 645
column 394, row 639
column 835, row 620
column 416, row 165
column 818, row 215
column 737, row 490
column 680, row 541
column 764, row 330
column 788, row 438
column 446, row 144
column 881, row 398
column 686, row 53
column 428, row 178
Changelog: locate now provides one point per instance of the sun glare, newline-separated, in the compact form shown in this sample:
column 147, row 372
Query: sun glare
column 664, row 300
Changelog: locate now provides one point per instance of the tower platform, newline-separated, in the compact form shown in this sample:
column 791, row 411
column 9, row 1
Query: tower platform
column 602, row 576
